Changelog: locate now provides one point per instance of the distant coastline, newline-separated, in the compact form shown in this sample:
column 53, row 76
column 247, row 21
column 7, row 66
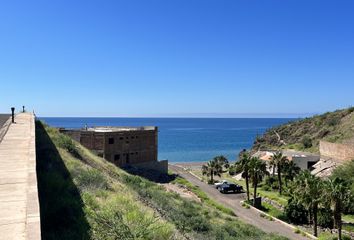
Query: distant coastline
column 188, row 140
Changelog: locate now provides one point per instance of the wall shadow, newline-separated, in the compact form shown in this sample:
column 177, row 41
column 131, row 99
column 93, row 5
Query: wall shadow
column 150, row 174
column 61, row 206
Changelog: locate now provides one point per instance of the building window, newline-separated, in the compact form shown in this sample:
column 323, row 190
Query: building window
column 121, row 138
column 116, row 157
column 136, row 153
column 110, row 140
column 132, row 137
column 127, row 142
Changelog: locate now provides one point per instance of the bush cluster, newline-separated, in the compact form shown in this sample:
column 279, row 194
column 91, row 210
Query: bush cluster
column 68, row 144
column 296, row 213
column 91, row 179
column 306, row 142
column 325, row 218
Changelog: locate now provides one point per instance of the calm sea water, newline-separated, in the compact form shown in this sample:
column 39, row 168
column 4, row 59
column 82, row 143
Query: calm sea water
column 189, row 139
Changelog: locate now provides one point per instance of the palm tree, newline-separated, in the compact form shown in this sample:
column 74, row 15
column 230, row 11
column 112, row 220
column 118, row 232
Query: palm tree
column 242, row 166
column 211, row 169
column 290, row 171
column 279, row 160
column 337, row 191
column 308, row 191
column 273, row 165
column 222, row 160
column 257, row 170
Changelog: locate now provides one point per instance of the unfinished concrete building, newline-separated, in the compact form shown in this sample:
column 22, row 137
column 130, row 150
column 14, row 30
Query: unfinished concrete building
column 123, row 146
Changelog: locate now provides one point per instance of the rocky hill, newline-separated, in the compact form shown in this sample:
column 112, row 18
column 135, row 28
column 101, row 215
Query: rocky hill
column 305, row 134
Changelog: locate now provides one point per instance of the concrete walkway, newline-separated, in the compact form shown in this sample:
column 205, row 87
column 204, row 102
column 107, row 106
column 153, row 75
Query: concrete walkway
column 232, row 201
column 19, row 205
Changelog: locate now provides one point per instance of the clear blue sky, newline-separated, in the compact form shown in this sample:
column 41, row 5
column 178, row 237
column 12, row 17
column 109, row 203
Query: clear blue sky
column 177, row 58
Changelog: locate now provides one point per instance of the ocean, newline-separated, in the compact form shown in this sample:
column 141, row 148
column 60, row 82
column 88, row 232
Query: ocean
column 189, row 139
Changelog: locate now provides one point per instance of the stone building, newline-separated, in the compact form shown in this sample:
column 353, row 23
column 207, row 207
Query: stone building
column 123, row 146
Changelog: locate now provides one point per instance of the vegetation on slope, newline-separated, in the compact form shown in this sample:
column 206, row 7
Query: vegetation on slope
column 83, row 196
column 305, row 134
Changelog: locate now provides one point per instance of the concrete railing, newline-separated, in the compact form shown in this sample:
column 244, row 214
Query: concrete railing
column 4, row 128
column 19, row 202
column 33, row 221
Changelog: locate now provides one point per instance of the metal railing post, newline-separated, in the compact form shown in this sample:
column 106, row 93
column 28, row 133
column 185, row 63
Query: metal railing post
column 13, row 114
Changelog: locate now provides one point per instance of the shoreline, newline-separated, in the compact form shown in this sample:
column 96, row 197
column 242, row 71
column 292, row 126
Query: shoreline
column 192, row 165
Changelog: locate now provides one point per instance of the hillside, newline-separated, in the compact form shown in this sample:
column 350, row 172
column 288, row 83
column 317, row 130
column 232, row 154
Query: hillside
column 82, row 196
column 305, row 134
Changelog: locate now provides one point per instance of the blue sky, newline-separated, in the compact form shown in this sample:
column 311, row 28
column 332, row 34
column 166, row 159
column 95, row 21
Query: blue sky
column 177, row 58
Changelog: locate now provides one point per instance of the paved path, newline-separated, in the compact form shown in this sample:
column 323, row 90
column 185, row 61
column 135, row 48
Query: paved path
column 19, row 206
column 232, row 201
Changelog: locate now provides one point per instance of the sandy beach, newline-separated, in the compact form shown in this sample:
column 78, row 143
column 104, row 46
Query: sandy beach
column 192, row 165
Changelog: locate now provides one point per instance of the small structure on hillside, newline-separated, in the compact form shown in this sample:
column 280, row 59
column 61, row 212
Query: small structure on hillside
column 303, row 160
column 332, row 156
column 123, row 146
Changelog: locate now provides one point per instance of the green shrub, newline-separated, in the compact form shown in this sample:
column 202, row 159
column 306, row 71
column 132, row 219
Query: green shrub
column 266, row 188
column 333, row 120
column 270, row 183
column 306, row 142
column 65, row 142
column 296, row 213
column 327, row 236
column 116, row 222
column 350, row 110
column 346, row 237
column 232, row 170
column 245, row 205
column 297, row 231
column 211, row 181
column 91, row 179
column 325, row 218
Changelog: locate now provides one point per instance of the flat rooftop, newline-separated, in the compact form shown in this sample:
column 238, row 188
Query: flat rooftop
column 119, row 129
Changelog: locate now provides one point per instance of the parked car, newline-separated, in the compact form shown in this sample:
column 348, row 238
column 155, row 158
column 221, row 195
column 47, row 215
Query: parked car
column 225, row 188
column 218, row 184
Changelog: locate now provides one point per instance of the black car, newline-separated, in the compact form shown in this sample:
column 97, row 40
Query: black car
column 230, row 188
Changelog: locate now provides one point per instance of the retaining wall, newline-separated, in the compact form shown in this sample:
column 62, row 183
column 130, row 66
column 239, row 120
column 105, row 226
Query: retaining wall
column 338, row 152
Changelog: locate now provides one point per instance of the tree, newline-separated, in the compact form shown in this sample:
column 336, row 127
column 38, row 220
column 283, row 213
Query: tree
column 211, row 169
column 222, row 160
column 279, row 160
column 290, row 171
column 242, row 166
column 306, row 142
column 257, row 170
column 337, row 192
column 273, row 165
column 308, row 191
